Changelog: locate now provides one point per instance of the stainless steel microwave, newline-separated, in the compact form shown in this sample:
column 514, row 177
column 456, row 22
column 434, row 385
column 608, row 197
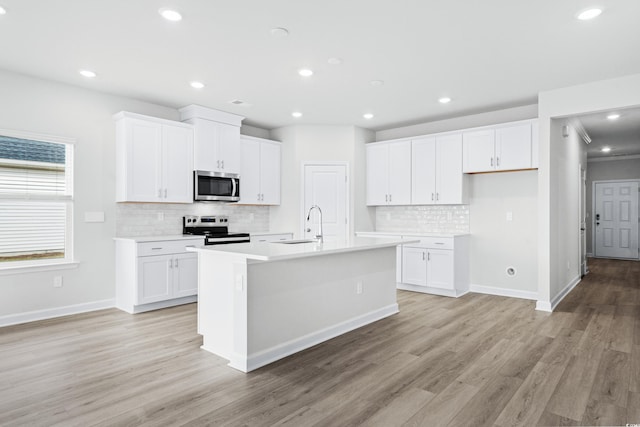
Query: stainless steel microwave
column 216, row 186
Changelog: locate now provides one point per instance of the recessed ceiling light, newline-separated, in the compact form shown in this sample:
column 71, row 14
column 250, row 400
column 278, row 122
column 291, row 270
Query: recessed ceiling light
column 444, row 100
column 87, row 73
column 3, row 11
column 589, row 14
column 334, row 61
column 376, row 82
column 279, row 32
column 170, row 15
column 605, row 149
column 197, row 85
column 305, row 72
column 614, row 116
column 296, row 114
column 368, row 116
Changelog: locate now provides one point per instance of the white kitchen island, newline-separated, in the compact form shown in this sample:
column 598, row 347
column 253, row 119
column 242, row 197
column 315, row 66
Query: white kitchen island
column 260, row 302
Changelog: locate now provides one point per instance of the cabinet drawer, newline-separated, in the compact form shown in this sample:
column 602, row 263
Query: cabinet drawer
column 165, row 247
column 432, row 242
column 272, row 237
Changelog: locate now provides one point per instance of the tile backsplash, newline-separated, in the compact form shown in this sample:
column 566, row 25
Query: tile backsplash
column 158, row 219
column 423, row 219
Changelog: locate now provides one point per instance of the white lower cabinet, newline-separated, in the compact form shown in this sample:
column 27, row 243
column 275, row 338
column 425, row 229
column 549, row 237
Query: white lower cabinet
column 438, row 265
column 155, row 274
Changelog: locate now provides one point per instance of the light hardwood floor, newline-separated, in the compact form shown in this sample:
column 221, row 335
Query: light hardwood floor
column 473, row 361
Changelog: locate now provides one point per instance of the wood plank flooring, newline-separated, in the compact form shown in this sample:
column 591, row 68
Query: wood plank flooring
column 473, row 361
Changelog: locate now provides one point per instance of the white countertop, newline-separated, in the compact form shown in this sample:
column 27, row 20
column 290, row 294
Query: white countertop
column 411, row 234
column 269, row 233
column 276, row 251
column 140, row 239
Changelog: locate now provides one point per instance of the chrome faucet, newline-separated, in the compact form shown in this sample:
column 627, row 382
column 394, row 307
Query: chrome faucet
column 319, row 236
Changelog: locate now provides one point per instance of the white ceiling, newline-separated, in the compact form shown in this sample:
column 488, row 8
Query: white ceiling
column 621, row 135
column 485, row 55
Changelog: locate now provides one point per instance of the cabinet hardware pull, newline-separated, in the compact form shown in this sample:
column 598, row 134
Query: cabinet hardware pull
column 223, row 164
column 439, row 243
column 431, row 196
column 218, row 163
column 155, row 249
column 170, row 263
column 390, row 196
column 190, row 246
column 386, row 197
column 165, row 193
column 176, row 263
column 492, row 162
column 423, row 256
column 497, row 161
column 437, row 196
column 428, row 256
column 160, row 193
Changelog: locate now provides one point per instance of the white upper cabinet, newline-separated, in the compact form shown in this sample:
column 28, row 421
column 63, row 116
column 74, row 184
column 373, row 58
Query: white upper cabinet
column 154, row 160
column 260, row 171
column 499, row 148
column 217, row 138
column 389, row 173
column 436, row 169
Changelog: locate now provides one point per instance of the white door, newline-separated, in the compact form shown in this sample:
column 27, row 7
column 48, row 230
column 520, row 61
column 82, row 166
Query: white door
column 400, row 173
column 270, row 173
column 250, row 172
column 326, row 186
column 144, row 163
column 177, row 164
column 229, row 148
column 155, row 275
column 377, row 174
column 449, row 169
column 414, row 266
column 478, row 150
column 185, row 275
column 513, row 147
column 440, row 268
column 423, row 171
column 583, row 221
column 616, row 219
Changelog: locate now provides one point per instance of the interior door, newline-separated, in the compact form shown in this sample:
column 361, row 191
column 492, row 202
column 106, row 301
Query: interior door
column 616, row 219
column 326, row 186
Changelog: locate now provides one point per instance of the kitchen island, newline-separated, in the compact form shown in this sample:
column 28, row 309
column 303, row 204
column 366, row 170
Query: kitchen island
column 260, row 302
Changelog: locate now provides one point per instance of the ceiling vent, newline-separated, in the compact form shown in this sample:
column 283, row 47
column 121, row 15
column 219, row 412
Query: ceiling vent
column 240, row 103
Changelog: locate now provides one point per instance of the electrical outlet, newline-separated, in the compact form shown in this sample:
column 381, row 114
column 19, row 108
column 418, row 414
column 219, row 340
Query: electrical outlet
column 160, row 216
column 509, row 216
column 57, row 281
column 359, row 288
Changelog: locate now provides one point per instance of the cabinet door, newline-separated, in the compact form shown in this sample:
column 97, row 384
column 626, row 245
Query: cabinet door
column 154, row 279
column 205, row 155
column 270, row 173
column 535, row 145
column 414, row 266
column 250, row 172
column 185, row 275
column 400, row 173
column 449, row 177
column 377, row 174
column 144, row 161
column 423, row 171
column 229, row 148
column 478, row 151
column 440, row 269
column 177, row 164
column 513, row 147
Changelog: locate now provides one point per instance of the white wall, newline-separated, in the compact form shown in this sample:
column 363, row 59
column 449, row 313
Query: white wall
column 40, row 106
column 320, row 143
column 556, row 161
column 606, row 169
column 497, row 243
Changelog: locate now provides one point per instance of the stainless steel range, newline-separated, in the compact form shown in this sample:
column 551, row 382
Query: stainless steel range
column 214, row 229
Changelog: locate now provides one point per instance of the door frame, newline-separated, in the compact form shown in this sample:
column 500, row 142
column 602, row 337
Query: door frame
column 593, row 209
column 347, row 192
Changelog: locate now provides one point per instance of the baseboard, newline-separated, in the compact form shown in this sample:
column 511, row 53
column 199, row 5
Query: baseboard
column 503, row 292
column 280, row 351
column 551, row 305
column 50, row 313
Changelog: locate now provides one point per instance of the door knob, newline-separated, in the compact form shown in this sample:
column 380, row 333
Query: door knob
column 308, row 230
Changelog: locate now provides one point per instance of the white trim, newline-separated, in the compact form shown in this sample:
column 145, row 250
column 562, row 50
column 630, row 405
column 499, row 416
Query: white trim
column 135, row 309
column 262, row 358
column 503, row 292
column 589, row 255
column 37, row 136
column 36, row 268
column 50, row 313
column 550, row 306
column 613, row 158
column 347, row 201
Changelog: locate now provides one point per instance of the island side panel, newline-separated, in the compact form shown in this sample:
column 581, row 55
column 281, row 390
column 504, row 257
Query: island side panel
column 222, row 306
column 297, row 303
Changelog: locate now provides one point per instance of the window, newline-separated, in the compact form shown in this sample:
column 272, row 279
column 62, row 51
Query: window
column 36, row 199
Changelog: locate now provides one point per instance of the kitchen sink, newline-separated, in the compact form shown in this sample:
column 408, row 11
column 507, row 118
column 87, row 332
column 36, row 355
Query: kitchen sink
column 295, row 242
